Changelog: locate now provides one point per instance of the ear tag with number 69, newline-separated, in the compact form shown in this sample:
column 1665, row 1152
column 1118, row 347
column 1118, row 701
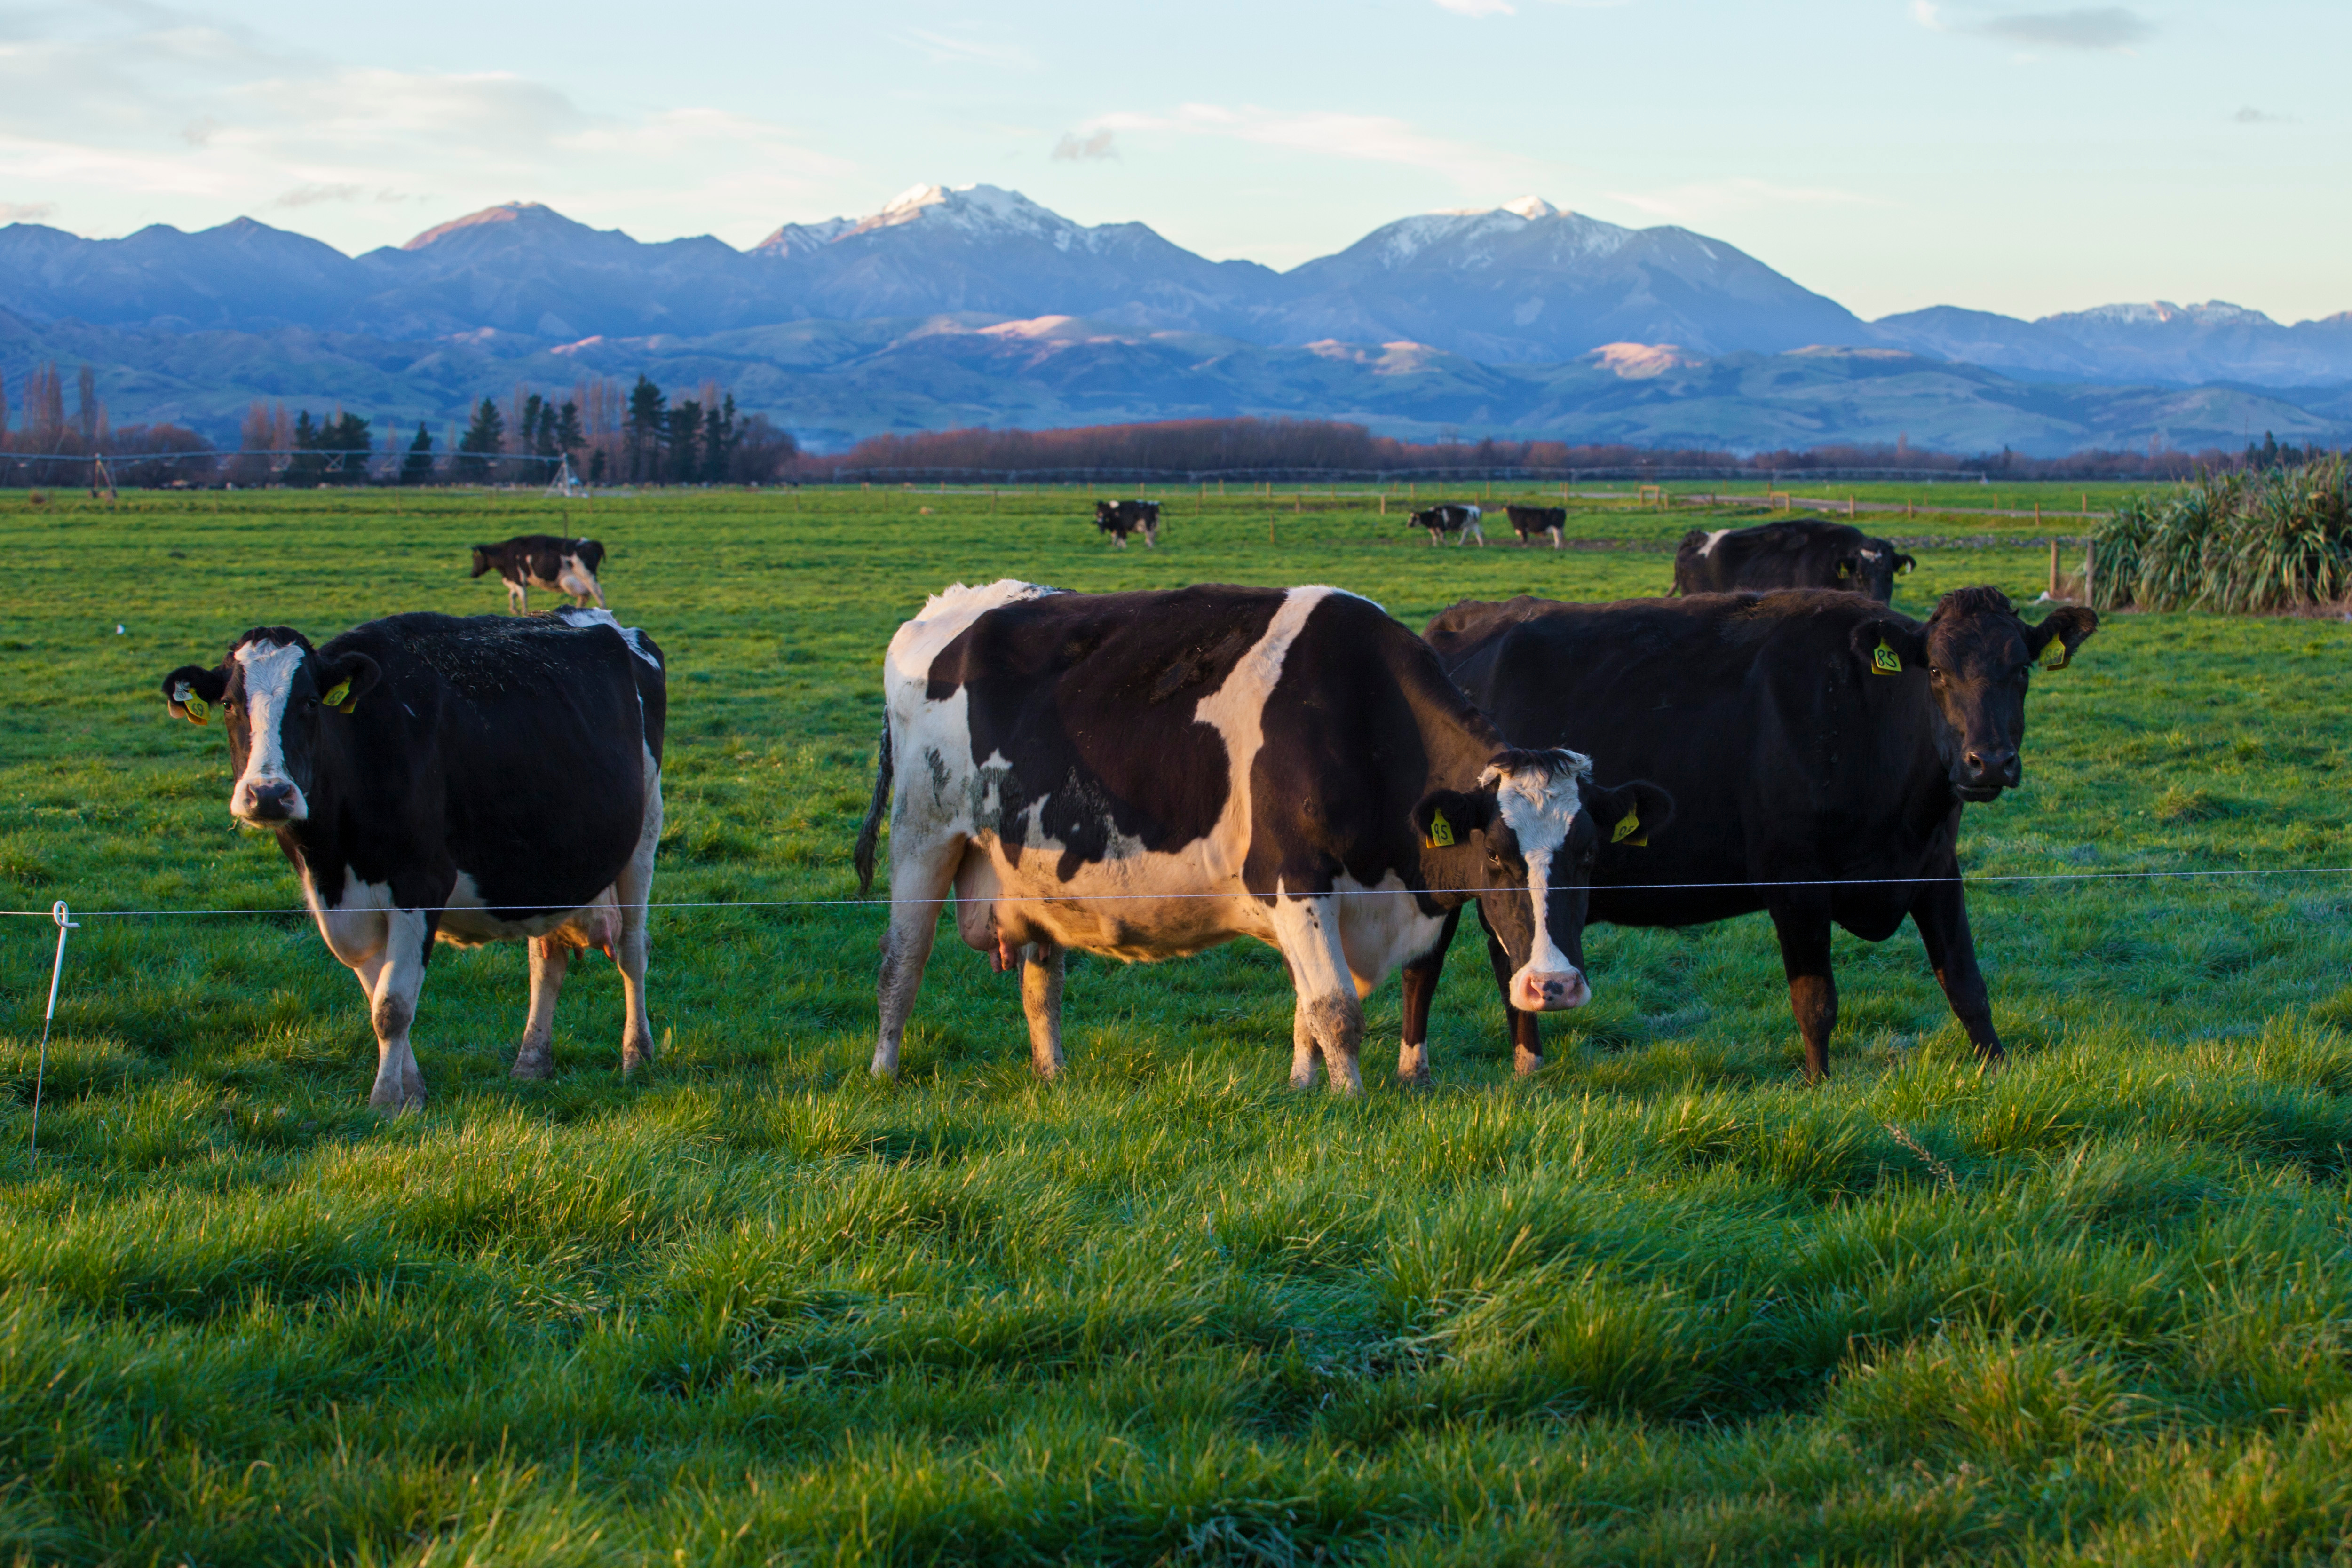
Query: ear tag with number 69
column 339, row 697
column 1884, row 660
column 1627, row 827
column 1441, row 832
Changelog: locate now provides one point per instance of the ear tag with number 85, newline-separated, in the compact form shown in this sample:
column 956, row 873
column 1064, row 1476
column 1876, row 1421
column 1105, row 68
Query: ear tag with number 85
column 1884, row 660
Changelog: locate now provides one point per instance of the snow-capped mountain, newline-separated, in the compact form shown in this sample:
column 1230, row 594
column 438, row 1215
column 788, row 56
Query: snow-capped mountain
column 2156, row 341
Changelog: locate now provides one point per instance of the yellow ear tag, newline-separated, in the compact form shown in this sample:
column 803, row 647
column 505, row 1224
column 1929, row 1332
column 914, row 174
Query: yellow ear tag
column 1441, row 832
column 2056, row 656
column 1884, row 660
column 193, row 706
column 1627, row 825
column 340, row 697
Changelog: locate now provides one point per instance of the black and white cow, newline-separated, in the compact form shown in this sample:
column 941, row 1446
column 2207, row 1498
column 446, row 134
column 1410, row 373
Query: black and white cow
column 1528, row 520
column 470, row 780
column 1149, row 774
column 1462, row 521
column 1121, row 518
column 544, row 561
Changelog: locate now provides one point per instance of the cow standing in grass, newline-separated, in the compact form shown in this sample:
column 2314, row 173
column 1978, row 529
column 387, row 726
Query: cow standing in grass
column 1462, row 521
column 545, row 561
column 1819, row 746
column 1149, row 774
column 1529, row 521
column 1801, row 553
column 1118, row 519
column 469, row 781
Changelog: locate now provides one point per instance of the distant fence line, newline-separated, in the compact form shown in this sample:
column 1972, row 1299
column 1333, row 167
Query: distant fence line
column 1647, row 473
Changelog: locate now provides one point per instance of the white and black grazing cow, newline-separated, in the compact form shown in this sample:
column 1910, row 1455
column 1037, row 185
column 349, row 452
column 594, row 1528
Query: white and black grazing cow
column 1462, row 521
column 1529, row 521
column 544, row 561
column 474, row 780
column 1149, row 774
column 1119, row 519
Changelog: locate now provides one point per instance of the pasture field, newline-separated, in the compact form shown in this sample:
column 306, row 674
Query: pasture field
column 1660, row 1303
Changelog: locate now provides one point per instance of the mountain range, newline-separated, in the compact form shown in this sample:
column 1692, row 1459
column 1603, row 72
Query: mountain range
column 977, row 305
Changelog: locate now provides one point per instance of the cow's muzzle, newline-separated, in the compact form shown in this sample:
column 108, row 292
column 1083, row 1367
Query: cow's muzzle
column 268, row 801
column 1551, row 993
column 1984, row 774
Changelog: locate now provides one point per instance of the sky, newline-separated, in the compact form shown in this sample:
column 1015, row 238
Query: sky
column 2025, row 158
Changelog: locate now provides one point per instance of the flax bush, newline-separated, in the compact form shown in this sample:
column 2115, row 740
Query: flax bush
column 2237, row 544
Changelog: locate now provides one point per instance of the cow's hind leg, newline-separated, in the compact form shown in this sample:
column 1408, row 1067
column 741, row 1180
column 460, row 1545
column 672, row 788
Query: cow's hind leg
column 631, row 889
column 921, row 875
column 518, row 598
column 1812, row 987
column 549, row 959
column 1420, row 984
column 1941, row 914
column 1328, row 1010
column 1041, row 964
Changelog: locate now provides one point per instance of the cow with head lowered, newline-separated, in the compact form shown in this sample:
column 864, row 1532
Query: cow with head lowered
column 1148, row 774
column 1121, row 518
column 545, row 561
column 1820, row 749
column 1527, row 521
column 1801, row 553
column 464, row 780
column 1458, row 518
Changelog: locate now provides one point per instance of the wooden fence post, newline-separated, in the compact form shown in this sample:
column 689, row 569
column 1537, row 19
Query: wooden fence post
column 2052, row 594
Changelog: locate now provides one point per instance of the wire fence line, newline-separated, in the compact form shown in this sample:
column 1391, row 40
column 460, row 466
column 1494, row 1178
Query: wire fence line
column 1976, row 879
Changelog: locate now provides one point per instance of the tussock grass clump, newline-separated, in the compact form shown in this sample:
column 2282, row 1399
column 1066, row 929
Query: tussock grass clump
column 2238, row 543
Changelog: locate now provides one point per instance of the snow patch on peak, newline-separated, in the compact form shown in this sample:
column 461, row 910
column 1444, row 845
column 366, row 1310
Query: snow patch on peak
column 1530, row 208
column 1639, row 362
column 505, row 212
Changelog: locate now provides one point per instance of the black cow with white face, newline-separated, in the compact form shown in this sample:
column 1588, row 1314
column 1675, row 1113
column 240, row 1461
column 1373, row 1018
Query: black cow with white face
column 1820, row 749
column 1801, row 553
column 1149, row 774
column 1121, row 518
column 545, row 561
column 469, row 780
column 1529, row 521
column 1460, row 520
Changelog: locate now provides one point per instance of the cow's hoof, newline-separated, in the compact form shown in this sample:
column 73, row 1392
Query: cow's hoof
column 532, row 1069
column 632, row 1059
column 396, row 1102
column 1413, row 1083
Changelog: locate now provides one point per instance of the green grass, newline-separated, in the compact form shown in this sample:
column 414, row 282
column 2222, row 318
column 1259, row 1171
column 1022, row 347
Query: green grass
column 1661, row 1304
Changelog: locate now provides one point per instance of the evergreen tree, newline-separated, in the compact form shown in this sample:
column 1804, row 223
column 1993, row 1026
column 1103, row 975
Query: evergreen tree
column 416, row 468
column 596, row 467
column 307, row 466
column 719, row 438
column 568, row 437
column 648, row 421
column 685, row 441
column 483, row 439
column 346, row 444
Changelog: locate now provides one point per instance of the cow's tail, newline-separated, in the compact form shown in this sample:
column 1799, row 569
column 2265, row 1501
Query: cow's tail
column 870, row 834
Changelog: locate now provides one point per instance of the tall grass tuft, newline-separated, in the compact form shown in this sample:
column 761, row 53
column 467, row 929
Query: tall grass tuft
column 2237, row 544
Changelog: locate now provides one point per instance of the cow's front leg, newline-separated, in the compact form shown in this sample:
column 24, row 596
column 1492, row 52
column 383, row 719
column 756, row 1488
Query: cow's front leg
column 1941, row 914
column 1328, row 1010
column 1525, row 1028
column 1812, row 987
column 393, row 981
column 1420, row 984
column 1041, row 964
column 921, row 875
column 549, row 960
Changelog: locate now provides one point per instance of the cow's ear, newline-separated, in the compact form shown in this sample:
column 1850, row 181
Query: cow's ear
column 1904, row 565
column 1848, row 567
column 2072, row 627
column 1888, row 646
column 195, row 691
column 345, row 679
column 1445, row 818
column 1628, row 814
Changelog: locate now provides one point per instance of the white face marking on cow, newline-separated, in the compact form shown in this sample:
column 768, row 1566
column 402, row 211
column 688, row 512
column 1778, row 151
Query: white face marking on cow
column 1713, row 540
column 269, row 672
column 1869, row 555
column 1540, row 809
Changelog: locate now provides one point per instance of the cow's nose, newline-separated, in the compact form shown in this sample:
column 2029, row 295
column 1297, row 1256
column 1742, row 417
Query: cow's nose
column 1995, row 766
column 1532, row 993
column 272, row 802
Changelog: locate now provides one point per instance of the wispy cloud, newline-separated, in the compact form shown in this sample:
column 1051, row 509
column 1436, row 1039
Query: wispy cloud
column 1358, row 138
column 1075, row 149
column 1708, row 199
column 2253, row 116
column 1480, row 7
column 26, row 212
column 2109, row 28
column 947, row 50
column 311, row 195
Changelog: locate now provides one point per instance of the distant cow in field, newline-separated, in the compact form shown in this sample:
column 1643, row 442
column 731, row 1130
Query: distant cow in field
column 1803, row 553
column 1820, row 748
column 1462, row 521
column 1528, row 520
column 1121, row 518
column 1149, row 774
column 469, row 779
column 543, row 561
